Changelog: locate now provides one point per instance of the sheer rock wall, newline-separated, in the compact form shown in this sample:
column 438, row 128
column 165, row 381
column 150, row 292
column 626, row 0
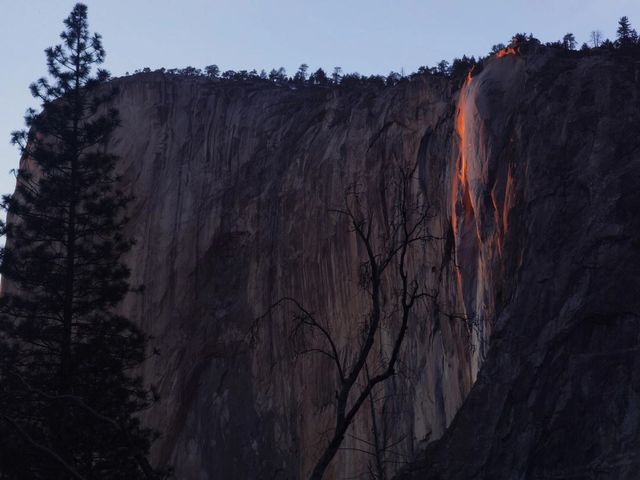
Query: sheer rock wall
column 233, row 187
column 558, row 394
column 531, row 172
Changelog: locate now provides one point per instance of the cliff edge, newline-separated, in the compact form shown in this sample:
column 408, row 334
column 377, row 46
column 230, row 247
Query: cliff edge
column 558, row 393
column 525, row 367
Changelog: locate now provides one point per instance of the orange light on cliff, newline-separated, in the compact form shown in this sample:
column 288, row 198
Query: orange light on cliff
column 462, row 209
column 508, row 201
column 460, row 129
column 506, row 51
column 460, row 182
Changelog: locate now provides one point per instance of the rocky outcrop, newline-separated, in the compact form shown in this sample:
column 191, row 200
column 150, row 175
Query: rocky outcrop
column 558, row 395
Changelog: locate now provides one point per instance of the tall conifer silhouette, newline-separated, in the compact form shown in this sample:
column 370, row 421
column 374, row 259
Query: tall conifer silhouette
column 68, row 394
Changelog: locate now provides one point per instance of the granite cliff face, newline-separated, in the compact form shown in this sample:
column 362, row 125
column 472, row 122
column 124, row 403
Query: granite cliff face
column 531, row 170
column 558, row 393
column 233, row 188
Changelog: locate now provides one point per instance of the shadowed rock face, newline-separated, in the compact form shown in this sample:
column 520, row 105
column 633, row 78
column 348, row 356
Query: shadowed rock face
column 558, row 395
column 531, row 171
column 233, row 187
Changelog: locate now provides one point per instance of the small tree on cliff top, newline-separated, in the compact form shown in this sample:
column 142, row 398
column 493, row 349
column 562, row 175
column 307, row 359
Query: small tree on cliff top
column 569, row 41
column 68, row 397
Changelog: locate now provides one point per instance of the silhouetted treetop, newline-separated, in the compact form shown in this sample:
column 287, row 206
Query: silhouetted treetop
column 521, row 44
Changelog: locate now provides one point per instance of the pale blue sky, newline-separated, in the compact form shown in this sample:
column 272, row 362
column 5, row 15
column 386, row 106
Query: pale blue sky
column 367, row 36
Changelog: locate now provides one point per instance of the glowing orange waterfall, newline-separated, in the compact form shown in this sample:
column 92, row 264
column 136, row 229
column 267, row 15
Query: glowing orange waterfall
column 460, row 125
column 483, row 191
column 460, row 195
column 461, row 180
column 477, row 226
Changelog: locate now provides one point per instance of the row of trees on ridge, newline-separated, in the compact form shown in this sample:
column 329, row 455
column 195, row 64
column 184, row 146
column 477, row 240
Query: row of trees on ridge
column 627, row 42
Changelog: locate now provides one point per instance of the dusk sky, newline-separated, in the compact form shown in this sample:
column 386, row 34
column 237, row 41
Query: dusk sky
column 366, row 36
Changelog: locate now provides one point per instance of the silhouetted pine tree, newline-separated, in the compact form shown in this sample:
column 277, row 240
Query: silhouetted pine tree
column 627, row 36
column 68, row 391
